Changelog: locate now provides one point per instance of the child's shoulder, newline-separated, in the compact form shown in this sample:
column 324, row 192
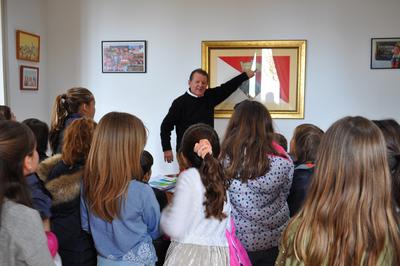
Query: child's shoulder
column 138, row 188
column 139, row 194
column 190, row 175
column 136, row 184
column 18, row 214
column 189, row 172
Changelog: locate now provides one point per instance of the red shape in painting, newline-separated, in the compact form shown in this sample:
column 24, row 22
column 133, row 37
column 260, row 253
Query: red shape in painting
column 282, row 65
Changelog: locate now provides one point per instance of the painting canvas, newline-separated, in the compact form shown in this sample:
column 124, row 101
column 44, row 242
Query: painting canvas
column 28, row 46
column 124, row 56
column 279, row 80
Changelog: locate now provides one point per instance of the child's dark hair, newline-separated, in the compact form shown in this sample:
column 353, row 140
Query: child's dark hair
column 16, row 142
column 306, row 140
column 146, row 161
column 210, row 169
column 5, row 112
column 41, row 131
column 391, row 132
column 281, row 140
column 248, row 139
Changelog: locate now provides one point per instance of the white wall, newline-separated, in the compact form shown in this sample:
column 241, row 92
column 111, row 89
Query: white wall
column 339, row 81
column 2, row 52
column 30, row 16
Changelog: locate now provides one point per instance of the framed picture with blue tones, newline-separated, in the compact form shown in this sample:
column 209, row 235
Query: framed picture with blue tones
column 29, row 78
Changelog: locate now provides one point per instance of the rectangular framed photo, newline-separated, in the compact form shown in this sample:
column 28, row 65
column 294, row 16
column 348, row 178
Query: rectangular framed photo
column 28, row 46
column 124, row 56
column 29, row 78
column 279, row 81
column 385, row 53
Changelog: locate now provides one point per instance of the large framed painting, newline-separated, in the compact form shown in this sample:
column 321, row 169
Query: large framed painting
column 385, row 53
column 279, row 81
column 124, row 56
column 28, row 46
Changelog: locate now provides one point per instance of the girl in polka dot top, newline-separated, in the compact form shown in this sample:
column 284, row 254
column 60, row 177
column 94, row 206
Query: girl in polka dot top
column 260, row 174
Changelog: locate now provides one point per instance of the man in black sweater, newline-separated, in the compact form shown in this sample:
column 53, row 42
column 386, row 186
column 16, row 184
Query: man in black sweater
column 196, row 105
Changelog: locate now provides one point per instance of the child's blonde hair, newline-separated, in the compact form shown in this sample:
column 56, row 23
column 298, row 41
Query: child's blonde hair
column 348, row 217
column 113, row 161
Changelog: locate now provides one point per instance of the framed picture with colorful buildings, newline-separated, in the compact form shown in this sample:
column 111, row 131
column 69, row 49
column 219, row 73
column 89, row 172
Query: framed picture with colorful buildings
column 124, row 56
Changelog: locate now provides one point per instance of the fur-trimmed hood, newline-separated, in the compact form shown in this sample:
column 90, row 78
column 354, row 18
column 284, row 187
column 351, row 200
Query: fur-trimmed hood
column 64, row 188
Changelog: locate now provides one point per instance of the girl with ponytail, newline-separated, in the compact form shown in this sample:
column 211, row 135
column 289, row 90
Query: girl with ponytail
column 76, row 103
column 197, row 218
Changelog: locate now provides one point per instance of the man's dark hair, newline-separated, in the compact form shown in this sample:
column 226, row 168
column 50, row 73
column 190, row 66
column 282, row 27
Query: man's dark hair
column 199, row 71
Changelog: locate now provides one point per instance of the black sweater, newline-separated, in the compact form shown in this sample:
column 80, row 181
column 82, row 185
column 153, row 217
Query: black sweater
column 187, row 110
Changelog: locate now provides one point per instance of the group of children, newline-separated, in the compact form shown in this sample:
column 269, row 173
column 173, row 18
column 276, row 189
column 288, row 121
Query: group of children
column 333, row 201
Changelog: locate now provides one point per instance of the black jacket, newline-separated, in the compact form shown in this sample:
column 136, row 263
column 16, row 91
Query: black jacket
column 76, row 247
column 298, row 192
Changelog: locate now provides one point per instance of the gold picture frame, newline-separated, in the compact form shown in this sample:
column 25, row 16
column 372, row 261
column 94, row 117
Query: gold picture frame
column 279, row 81
column 28, row 46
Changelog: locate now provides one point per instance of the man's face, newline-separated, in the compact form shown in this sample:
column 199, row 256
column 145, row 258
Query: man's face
column 198, row 84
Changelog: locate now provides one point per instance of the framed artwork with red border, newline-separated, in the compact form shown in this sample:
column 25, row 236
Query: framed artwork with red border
column 29, row 78
column 28, row 46
column 280, row 74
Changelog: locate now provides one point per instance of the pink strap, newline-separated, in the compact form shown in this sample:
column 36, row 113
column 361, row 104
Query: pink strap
column 52, row 243
column 237, row 253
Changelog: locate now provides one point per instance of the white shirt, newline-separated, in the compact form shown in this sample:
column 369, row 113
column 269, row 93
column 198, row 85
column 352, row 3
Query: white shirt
column 192, row 94
column 184, row 220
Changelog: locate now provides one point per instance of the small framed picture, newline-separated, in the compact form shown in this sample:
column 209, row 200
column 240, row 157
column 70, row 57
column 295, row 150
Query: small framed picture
column 28, row 46
column 29, row 78
column 385, row 53
column 124, row 56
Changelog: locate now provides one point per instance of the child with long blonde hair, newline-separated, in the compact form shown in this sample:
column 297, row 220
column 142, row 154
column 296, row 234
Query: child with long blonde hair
column 347, row 217
column 118, row 207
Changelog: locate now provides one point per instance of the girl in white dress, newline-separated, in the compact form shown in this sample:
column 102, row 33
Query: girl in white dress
column 198, row 217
